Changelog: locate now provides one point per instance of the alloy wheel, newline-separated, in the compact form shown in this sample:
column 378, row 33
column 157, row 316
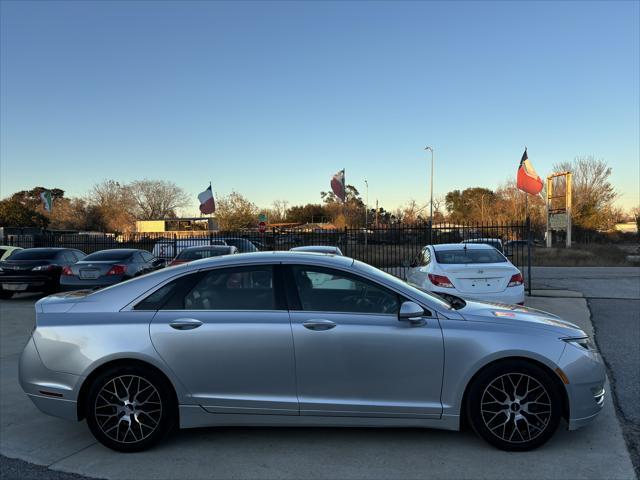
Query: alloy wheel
column 128, row 409
column 516, row 407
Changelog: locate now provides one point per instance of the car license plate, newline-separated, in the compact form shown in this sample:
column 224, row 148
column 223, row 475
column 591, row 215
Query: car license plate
column 15, row 287
column 89, row 274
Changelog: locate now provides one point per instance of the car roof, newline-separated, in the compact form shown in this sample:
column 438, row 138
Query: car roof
column 461, row 246
column 124, row 250
column 208, row 247
column 273, row 257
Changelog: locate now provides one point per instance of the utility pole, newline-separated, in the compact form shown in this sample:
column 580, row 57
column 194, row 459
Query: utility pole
column 431, row 198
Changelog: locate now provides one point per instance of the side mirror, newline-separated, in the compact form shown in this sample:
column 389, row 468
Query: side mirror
column 160, row 262
column 411, row 311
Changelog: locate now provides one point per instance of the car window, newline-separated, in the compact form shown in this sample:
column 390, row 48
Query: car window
column 426, row 256
column 244, row 288
column 108, row 255
column 138, row 258
column 78, row 254
column 466, row 256
column 328, row 290
column 146, row 256
column 34, row 254
column 68, row 257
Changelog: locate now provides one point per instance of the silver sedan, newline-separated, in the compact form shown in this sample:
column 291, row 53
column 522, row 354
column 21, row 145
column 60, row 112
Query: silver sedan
column 286, row 338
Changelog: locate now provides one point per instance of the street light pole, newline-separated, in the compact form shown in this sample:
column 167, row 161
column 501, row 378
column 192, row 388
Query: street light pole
column 431, row 198
column 366, row 214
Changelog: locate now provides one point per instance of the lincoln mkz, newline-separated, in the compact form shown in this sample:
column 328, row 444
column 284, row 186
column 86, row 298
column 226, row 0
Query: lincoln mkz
column 303, row 339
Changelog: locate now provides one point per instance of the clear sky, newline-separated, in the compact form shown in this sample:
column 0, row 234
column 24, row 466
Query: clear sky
column 270, row 99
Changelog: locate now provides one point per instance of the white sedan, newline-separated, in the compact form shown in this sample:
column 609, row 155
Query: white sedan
column 469, row 271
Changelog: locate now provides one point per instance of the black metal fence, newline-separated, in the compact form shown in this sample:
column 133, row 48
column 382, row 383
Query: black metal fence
column 391, row 248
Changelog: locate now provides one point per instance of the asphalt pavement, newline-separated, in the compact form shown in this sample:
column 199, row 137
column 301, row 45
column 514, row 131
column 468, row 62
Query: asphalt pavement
column 613, row 296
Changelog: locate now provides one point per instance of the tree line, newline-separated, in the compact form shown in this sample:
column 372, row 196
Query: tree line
column 111, row 206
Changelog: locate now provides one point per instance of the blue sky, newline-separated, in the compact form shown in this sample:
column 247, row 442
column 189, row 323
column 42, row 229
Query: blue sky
column 270, row 99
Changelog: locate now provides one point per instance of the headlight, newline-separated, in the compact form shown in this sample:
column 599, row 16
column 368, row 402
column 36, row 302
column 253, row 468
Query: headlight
column 43, row 268
column 582, row 342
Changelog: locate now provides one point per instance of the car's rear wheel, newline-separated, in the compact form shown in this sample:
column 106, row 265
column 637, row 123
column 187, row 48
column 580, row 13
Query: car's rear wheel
column 129, row 409
column 515, row 405
column 5, row 294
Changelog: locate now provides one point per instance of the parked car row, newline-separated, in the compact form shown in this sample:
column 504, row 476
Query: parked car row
column 50, row 270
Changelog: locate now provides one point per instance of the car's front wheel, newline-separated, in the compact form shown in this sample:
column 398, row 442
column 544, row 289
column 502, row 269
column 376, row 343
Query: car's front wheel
column 515, row 405
column 129, row 409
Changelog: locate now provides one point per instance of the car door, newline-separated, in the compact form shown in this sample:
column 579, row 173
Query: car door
column 354, row 357
column 226, row 335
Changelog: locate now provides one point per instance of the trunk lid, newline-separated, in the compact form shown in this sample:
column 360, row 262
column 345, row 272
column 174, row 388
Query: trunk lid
column 90, row 270
column 479, row 277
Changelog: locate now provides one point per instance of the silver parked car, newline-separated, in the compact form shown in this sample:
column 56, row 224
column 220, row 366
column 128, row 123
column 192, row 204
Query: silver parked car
column 286, row 338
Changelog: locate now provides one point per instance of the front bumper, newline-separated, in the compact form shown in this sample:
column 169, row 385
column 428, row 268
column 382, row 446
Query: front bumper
column 586, row 373
column 27, row 283
column 53, row 393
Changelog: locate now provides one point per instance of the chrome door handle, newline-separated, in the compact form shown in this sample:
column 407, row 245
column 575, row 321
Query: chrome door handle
column 318, row 324
column 185, row 324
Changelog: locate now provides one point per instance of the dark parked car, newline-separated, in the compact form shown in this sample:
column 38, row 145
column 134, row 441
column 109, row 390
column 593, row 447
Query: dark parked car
column 242, row 244
column 35, row 270
column 196, row 253
column 107, row 267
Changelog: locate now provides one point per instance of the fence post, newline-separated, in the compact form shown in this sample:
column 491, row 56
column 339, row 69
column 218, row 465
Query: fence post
column 528, row 226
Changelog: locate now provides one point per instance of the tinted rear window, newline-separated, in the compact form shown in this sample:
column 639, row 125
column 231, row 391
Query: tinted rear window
column 34, row 254
column 486, row 255
column 106, row 256
column 202, row 253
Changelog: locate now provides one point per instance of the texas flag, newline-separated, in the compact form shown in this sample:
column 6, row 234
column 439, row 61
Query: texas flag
column 337, row 185
column 528, row 180
column 207, row 203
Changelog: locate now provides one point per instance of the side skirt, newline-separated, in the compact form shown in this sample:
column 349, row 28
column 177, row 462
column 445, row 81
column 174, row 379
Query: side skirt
column 192, row 416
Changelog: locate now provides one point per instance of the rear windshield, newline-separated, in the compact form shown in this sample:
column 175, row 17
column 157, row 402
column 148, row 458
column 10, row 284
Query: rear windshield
column 202, row 253
column 486, row 255
column 29, row 254
column 106, row 256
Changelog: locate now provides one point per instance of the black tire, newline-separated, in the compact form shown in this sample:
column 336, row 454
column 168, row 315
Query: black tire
column 5, row 294
column 514, row 420
column 139, row 425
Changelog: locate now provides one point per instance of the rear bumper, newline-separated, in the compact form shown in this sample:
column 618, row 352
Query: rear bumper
column 53, row 393
column 511, row 295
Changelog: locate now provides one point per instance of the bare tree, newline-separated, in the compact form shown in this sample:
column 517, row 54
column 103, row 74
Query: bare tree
column 155, row 199
column 235, row 212
column 113, row 202
column 592, row 192
column 278, row 211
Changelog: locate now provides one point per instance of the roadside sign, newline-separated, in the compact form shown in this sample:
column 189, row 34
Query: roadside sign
column 262, row 218
column 558, row 221
column 262, row 226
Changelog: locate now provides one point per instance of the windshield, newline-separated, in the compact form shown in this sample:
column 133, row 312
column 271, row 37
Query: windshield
column 107, row 256
column 34, row 254
column 196, row 254
column 393, row 280
column 466, row 256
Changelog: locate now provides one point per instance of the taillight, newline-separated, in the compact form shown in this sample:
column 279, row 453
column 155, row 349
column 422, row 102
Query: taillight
column 440, row 281
column 516, row 280
column 67, row 271
column 117, row 270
